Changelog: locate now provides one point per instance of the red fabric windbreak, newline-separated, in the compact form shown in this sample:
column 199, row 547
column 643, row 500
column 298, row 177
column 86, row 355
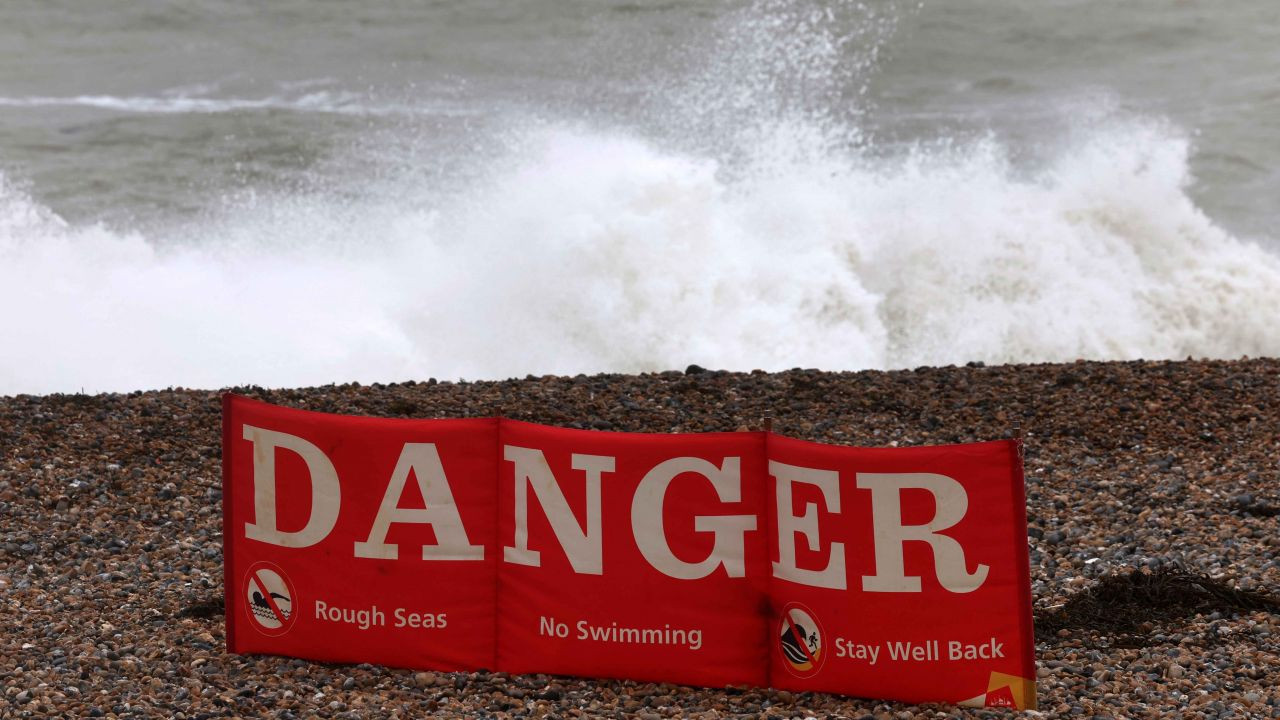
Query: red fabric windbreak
column 961, row 645
column 627, row 618
column 428, row 614
column 689, row 572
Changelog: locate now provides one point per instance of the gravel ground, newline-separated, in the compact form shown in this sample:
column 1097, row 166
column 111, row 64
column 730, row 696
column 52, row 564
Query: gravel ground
column 111, row 569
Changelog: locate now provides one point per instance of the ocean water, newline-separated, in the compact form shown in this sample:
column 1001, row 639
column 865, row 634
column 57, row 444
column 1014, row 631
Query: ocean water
column 222, row 192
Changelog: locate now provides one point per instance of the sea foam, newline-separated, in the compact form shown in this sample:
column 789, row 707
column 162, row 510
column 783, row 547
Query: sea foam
column 589, row 249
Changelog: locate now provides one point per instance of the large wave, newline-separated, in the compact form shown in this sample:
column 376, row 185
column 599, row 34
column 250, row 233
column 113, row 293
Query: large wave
column 585, row 250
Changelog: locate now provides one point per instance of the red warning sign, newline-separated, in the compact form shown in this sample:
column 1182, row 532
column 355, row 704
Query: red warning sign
column 741, row 558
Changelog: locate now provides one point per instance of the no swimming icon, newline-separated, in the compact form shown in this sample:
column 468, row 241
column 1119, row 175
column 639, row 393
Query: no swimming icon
column 271, row 599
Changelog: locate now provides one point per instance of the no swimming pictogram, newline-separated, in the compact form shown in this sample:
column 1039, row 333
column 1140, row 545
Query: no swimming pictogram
column 800, row 641
column 271, row 599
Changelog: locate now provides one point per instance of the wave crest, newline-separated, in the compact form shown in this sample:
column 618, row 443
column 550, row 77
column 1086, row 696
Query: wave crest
column 589, row 251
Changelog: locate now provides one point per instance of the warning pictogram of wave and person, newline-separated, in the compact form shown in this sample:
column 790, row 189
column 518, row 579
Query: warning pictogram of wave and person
column 738, row 558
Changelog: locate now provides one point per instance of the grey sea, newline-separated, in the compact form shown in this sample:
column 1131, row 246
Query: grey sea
column 219, row 192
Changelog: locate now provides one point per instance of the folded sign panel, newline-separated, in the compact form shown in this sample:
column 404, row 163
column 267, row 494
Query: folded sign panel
column 380, row 532
column 901, row 572
column 709, row 559
column 660, row 573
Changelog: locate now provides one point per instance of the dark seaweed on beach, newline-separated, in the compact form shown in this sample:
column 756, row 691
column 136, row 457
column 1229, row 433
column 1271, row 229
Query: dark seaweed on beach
column 1129, row 604
column 204, row 609
column 1259, row 509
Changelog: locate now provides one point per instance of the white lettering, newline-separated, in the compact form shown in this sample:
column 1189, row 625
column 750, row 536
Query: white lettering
column 363, row 619
column 426, row 621
column 989, row 650
column 326, row 493
column 789, row 524
column 441, row 512
column 886, row 518
column 552, row 627
column 583, row 548
column 857, row 651
column 729, row 548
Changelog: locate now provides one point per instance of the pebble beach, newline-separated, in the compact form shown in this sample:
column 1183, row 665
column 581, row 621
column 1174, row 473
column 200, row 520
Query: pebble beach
column 1153, row 501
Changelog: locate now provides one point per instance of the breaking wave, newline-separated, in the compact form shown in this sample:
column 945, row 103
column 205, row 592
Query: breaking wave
column 589, row 250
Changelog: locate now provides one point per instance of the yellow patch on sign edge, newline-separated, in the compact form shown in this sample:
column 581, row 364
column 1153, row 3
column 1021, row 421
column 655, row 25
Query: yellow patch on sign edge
column 1022, row 689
